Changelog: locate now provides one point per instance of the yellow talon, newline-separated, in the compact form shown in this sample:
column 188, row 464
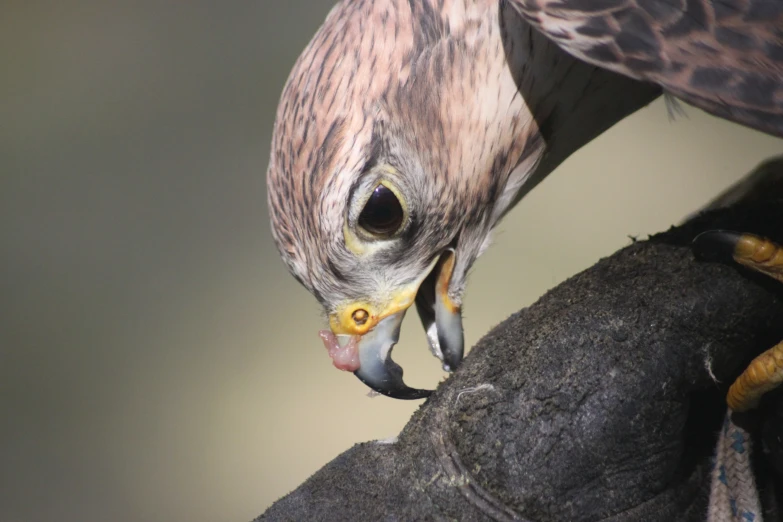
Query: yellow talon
column 761, row 255
column 764, row 374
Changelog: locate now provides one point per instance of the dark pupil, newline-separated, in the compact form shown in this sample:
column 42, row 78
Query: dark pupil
column 383, row 213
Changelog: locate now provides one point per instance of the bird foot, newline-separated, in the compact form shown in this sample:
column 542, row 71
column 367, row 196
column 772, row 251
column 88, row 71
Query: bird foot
column 765, row 372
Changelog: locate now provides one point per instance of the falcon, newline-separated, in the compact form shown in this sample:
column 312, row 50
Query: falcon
column 408, row 128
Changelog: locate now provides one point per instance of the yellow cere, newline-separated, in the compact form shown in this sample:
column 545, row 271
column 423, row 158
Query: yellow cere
column 342, row 321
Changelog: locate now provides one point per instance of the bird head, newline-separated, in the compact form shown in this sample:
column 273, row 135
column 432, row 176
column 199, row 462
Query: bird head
column 396, row 148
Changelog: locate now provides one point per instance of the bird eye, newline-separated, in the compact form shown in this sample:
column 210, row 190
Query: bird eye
column 382, row 214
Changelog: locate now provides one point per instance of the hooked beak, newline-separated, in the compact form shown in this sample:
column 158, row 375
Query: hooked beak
column 368, row 336
column 376, row 367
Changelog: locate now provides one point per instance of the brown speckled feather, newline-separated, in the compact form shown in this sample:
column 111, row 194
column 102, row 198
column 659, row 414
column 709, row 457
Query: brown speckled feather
column 421, row 85
column 724, row 56
column 461, row 98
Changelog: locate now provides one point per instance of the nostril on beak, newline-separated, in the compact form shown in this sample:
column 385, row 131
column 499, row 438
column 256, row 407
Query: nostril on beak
column 360, row 316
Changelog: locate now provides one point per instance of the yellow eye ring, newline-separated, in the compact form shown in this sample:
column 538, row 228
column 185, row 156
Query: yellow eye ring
column 359, row 239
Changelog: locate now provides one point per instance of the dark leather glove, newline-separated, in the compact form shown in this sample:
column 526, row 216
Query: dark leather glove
column 602, row 401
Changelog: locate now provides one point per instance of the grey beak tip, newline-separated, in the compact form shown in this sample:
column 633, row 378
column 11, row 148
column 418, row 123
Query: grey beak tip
column 377, row 370
column 452, row 342
column 396, row 390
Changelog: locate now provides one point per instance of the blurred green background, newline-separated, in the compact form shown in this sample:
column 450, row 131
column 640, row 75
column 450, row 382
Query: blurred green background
column 157, row 363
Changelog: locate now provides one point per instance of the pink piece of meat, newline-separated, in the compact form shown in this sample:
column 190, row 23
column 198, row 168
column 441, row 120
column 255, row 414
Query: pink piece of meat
column 346, row 357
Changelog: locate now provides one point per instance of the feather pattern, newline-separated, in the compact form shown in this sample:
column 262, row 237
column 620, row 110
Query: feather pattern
column 392, row 83
column 723, row 56
column 462, row 101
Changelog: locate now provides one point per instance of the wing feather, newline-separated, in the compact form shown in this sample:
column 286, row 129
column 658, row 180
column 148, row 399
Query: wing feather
column 723, row 56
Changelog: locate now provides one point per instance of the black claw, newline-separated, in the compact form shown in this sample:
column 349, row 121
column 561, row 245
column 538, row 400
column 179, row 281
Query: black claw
column 716, row 245
column 396, row 390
